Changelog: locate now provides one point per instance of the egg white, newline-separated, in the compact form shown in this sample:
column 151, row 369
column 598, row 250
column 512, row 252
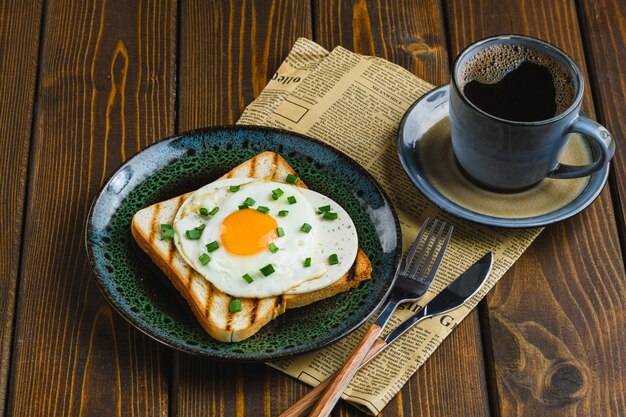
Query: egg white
column 225, row 270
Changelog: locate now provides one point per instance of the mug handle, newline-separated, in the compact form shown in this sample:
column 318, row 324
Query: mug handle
column 601, row 139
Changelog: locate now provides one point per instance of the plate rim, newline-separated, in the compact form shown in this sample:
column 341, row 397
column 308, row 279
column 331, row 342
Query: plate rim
column 438, row 199
column 260, row 357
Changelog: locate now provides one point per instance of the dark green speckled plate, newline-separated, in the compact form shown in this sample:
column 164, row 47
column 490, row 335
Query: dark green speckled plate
column 144, row 296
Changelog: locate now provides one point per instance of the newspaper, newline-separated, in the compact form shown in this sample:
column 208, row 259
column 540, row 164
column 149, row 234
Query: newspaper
column 355, row 103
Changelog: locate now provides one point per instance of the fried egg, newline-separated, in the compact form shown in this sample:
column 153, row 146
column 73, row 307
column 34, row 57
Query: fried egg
column 256, row 238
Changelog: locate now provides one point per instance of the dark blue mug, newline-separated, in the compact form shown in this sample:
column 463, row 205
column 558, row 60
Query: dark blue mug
column 509, row 155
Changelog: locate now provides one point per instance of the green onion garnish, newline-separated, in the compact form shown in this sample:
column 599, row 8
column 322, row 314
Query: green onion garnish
column 243, row 206
column 277, row 193
column 234, row 306
column 329, row 215
column 291, row 199
column 263, row 209
column 213, row 246
column 247, row 278
column 215, row 210
column 204, row 211
column 273, row 248
column 306, row 228
column 196, row 232
column 333, row 259
column 267, row 270
column 249, row 201
column 166, row 231
column 234, row 188
column 280, row 232
column 204, row 259
column 307, row 262
column 291, row 179
column 324, row 208
column 283, row 213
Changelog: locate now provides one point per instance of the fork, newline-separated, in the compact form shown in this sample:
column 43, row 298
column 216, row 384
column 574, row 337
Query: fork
column 409, row 286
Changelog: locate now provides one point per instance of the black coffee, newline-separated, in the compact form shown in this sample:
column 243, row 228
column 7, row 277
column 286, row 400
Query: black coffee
column 513, row 82
column 525, row 94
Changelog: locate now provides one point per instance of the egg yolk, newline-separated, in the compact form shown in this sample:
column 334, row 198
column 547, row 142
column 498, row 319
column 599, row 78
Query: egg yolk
column 247, row 232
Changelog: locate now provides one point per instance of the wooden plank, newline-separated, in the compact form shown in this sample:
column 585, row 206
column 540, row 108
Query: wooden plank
column 106, row 90
column 228, row 52
column 556, row 320
column 19, row 36
column 604, row 33
column 410, row 33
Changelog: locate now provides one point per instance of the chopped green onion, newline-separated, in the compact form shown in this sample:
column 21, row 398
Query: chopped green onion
column 234, row 306
column 333, row 259
column 291, row 179
column 213, row 246
column 243, row 206
column 263, row 209
column 324, row 208
column 307, row 262
column 280, row 232
column 215, row 210
column 283, row 213
column 291, row 199
column 234, row 188
column 167, row 232
column 196, row 232
column 267, row 270
column 329, row 215
column 204, row 259
column 273, row 248
column 247, row 278
column 306, row 228
column 204, row 211
column 277, row 193
column 249, row 201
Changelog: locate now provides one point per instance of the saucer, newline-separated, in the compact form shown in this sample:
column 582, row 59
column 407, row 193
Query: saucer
column 425, row 150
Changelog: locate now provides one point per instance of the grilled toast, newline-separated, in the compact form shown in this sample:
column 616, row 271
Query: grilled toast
column 210, row 305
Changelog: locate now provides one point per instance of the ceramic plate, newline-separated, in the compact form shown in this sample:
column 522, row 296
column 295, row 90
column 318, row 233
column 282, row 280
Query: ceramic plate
column 145, row 297
column 425, row 152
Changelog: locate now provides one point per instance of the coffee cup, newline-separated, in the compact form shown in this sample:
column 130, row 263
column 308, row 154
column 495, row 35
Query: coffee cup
column 514, row 103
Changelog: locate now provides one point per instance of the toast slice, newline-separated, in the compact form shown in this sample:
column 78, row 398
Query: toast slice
column 210, row 305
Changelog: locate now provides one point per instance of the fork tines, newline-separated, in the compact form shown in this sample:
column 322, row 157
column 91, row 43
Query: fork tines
column 419, row 267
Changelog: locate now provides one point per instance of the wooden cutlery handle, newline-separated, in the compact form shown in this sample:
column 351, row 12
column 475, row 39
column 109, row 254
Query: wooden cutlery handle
column 338, row 384
column 304, row 404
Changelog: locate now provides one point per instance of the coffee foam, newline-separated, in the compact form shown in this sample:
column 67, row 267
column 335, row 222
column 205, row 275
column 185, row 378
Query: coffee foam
column 490, row 65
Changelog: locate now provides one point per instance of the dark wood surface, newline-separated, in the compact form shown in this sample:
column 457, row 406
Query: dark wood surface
column 85, row 85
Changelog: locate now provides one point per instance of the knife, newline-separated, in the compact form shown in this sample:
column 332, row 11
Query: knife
column 453, row 296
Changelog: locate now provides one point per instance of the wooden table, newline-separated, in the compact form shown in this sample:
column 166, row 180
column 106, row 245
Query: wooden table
column 85, row 85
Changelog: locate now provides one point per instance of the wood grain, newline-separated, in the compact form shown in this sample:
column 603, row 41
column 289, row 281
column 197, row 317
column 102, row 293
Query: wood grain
column 604, row 34
column 411, row 34
column 106, row 90
column 19, row 51
column 228, row 51
column 555, row 322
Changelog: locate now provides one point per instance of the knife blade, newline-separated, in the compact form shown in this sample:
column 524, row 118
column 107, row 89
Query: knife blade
column 453, row 296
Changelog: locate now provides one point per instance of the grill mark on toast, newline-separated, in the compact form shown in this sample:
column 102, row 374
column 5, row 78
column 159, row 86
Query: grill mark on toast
column 253, row 312
column 229, row 316
column 190, row 276
column 172, row 252
column 351, row 273
column 155, row 222
column 208, row 301
column 253, row 163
